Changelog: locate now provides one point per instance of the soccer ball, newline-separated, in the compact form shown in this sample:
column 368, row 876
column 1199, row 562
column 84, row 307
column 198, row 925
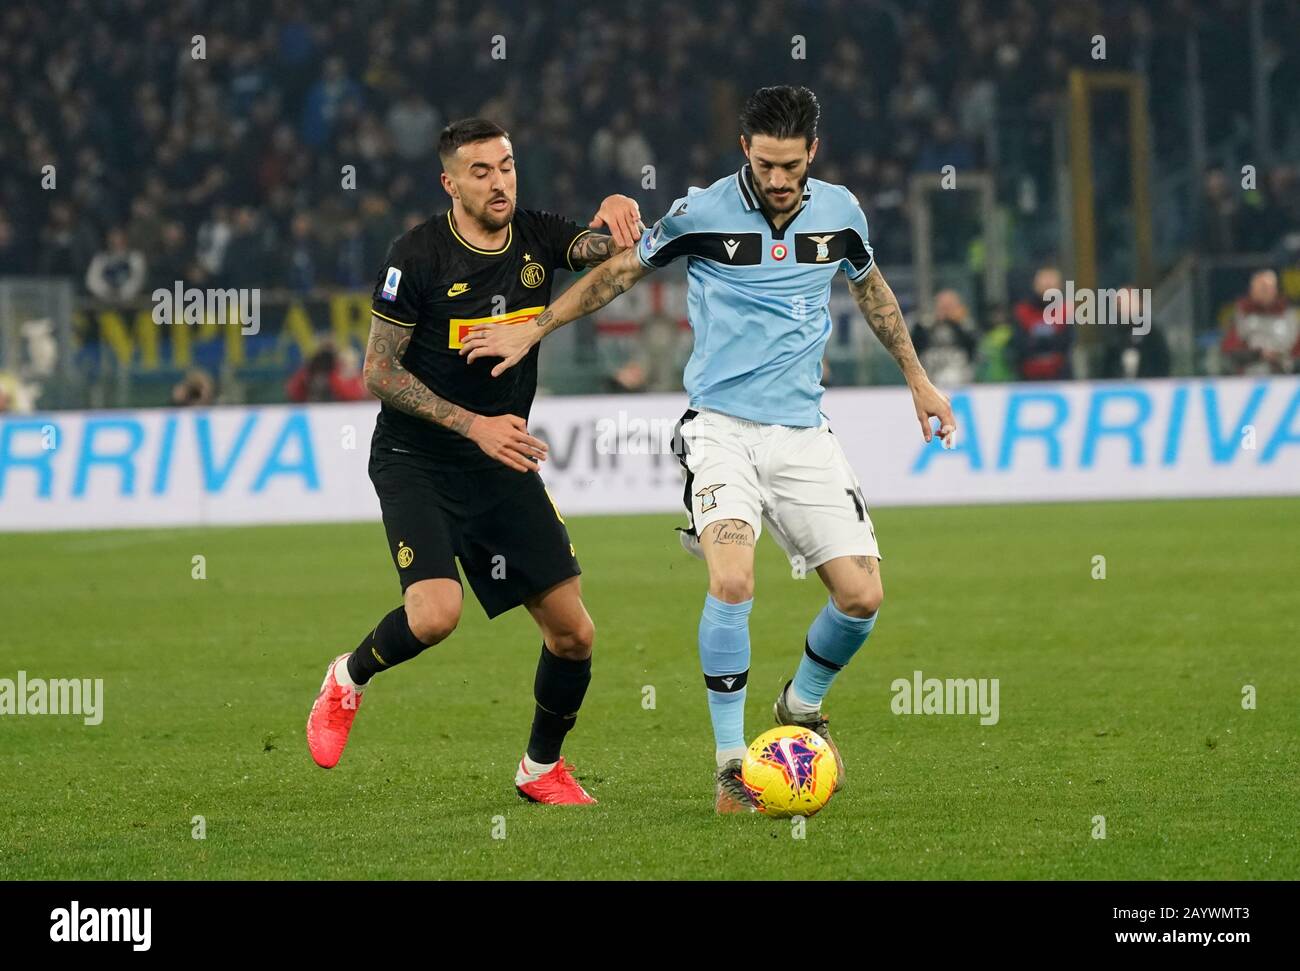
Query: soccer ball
column 790, row 771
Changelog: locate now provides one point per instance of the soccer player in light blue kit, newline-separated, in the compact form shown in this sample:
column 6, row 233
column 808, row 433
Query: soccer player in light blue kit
column 762, row 247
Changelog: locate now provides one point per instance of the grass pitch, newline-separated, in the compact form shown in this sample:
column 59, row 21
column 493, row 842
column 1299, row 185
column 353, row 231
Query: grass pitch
column 1119, row 698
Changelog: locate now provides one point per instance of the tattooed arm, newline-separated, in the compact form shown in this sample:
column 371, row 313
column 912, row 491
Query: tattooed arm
column 505, row 437
column 593, row 250
column 622, row 216
column 880, row 308
column 512, row 342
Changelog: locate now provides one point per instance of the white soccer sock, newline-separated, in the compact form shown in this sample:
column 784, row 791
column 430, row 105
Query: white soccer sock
column 530, row 771
column 343, row 678
column 798, row 706
column 724, row 755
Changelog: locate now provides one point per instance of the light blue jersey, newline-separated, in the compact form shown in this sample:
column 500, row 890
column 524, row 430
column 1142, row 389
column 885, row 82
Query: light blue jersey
column 758, row 298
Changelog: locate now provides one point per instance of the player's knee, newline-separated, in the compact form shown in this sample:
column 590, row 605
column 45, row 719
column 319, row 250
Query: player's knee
column 860, row 602
column 432, row 625
column 574, row 641
column 431, row 619
column 733, row 587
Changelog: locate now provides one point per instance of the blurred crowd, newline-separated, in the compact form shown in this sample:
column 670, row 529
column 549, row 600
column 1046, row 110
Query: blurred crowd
column 282, row 144
column 302, row 139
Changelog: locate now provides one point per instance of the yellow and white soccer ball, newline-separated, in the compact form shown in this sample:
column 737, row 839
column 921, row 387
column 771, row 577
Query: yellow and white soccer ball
column 790, row 771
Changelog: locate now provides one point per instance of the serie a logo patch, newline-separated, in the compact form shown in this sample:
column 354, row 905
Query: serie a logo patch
column 391, row 283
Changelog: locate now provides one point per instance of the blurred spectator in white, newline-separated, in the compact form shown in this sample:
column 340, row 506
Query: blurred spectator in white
column 414, row 125
column 1128, row 354
column 1264, row 336
column 619, row 150
column 947, row 343
column 116, row 272
column 213, row 238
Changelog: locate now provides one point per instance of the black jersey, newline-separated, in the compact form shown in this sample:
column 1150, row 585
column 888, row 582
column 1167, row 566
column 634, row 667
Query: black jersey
column 437, row 284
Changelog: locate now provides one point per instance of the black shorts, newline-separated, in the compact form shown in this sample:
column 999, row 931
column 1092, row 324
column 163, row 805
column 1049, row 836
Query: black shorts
column 501, row 524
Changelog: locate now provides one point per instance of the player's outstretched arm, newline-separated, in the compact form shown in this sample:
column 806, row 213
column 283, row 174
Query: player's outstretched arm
column 512, row 342
column 505, row 437
column 622, row 216
column 880, row 308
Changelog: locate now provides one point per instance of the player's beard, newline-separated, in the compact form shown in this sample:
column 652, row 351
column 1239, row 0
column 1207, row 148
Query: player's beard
column 792, row 199
column 490, row 219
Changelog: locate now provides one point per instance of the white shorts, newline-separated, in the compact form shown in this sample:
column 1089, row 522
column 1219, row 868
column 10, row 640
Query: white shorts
column 796, row 480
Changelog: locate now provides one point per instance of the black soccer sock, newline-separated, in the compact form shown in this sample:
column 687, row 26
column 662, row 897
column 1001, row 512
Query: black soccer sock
column 390, row 643
column 558, row 690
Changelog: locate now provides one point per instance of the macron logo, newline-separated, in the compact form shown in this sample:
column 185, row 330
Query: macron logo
column 73, row 924
column 731, row 246
column 729, row 682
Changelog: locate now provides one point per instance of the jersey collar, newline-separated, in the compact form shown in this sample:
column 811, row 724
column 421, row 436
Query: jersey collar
column 748, row 195
column 510, row 237
column 749, row 199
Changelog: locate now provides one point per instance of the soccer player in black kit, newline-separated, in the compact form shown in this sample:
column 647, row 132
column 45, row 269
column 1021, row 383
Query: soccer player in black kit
column 451, row 458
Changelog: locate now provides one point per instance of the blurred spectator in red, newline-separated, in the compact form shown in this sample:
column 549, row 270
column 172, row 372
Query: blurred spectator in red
column 328, row 375
column 1043, row 335
column 1127, row 353
column 1264, row 336
column 116, row 272
column 947, row 345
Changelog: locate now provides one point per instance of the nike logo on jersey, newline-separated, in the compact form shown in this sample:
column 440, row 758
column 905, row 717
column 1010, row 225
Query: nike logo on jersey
column 456, row 289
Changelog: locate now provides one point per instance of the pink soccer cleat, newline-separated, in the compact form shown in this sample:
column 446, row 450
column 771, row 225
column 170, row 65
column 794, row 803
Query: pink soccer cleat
column 331, row 719
column 556, row 788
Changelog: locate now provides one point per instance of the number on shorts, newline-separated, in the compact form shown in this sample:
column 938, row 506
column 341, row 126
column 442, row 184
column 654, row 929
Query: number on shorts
column 859, row 503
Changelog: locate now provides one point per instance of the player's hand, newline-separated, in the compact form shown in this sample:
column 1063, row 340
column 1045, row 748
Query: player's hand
column 930, row 403
column 506, row 439
column 510, row 342
column 622, row 216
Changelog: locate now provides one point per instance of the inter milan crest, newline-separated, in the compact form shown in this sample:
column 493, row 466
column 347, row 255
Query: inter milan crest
column 532, row 275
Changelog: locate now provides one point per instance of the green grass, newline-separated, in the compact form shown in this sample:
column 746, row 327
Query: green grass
column 1119, row 697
